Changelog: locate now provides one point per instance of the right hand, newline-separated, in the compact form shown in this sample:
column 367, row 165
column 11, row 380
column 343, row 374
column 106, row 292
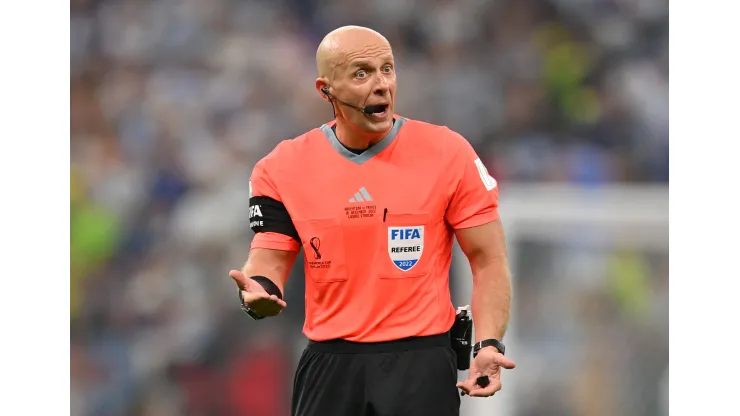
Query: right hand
column 256, row 297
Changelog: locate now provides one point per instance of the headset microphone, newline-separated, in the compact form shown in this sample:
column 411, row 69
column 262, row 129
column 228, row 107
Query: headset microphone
column 368, row 109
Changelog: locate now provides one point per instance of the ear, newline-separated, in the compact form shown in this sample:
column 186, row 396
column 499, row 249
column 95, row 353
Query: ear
column 321, row 85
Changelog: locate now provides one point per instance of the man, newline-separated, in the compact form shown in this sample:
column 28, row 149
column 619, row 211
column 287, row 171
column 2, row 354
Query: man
column 375, row 200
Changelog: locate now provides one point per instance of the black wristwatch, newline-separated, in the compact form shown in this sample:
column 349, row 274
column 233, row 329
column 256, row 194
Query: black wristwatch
column 489, row 343
column 245, row 308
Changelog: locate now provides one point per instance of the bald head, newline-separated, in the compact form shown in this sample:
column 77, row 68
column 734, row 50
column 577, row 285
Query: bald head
column 345, row 43
column 356, row 69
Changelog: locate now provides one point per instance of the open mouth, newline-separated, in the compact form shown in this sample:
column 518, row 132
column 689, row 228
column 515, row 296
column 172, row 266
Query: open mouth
column 378, row 110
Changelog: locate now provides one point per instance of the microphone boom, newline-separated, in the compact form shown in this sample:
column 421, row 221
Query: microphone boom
column 368, row 109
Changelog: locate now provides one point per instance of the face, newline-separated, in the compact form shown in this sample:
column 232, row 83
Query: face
column 367, row 77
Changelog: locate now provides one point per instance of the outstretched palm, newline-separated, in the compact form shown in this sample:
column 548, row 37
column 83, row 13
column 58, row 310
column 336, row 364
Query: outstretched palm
column 256, row 297
column 488, row 363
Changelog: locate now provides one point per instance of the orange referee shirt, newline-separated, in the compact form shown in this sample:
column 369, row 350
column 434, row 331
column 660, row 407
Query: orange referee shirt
column 377, row 228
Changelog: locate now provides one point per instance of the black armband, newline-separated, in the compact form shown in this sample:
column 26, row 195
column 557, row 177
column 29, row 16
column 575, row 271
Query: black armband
column 267, row 215
column 269, row 286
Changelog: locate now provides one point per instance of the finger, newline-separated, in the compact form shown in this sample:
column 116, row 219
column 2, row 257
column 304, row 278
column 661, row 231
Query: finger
column 504, row 362
column 265, row 298
column 278, row 301
column 251, row 297
column 239, row 278
column 490, row 390
column 466, row 385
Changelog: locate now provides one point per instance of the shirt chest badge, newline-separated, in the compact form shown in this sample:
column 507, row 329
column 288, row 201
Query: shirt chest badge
column 405, row 245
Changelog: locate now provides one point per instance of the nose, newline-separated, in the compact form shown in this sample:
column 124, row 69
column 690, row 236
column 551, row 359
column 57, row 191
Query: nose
column 382, row 86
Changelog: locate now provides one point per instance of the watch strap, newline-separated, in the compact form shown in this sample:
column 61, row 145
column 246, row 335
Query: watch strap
column 245, row 308
column 489, row 343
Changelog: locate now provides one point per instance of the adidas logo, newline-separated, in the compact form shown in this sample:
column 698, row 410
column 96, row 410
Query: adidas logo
column 361, row 196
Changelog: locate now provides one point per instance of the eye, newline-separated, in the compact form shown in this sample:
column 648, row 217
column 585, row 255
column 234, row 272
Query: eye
column 387, row 68
column 360, row 74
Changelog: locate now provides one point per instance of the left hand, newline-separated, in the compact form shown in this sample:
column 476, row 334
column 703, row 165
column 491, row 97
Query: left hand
column 488, row 362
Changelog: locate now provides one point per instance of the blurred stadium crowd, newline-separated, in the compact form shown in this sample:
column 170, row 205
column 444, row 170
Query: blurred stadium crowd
column 173, row 101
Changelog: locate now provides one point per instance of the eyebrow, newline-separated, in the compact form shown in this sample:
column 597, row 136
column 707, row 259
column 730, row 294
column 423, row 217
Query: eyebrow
column 361, row 64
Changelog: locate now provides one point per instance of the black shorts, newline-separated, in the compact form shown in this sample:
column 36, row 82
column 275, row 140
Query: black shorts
column 414, row 376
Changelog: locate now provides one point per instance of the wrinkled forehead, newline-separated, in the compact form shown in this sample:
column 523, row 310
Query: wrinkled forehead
column 370, row 52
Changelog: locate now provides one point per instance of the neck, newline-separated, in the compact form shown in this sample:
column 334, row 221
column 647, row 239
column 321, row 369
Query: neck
column 355, row 138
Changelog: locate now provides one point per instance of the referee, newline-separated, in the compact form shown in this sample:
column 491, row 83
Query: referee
column 375, row 201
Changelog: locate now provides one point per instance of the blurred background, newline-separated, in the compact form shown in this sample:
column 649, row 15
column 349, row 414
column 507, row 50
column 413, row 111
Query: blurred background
column 174, row 101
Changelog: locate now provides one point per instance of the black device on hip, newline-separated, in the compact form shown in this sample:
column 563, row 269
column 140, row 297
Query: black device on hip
column 461, row 336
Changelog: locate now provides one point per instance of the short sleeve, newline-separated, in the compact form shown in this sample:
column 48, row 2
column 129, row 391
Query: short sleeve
column 268, row 216
column 475, row 198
